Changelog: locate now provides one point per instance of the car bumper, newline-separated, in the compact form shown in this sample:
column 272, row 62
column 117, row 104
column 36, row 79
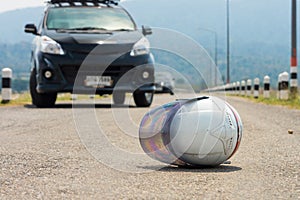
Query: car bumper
column 69, row 73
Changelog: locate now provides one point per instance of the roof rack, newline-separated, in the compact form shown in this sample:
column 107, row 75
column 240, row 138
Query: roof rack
column 84, row 2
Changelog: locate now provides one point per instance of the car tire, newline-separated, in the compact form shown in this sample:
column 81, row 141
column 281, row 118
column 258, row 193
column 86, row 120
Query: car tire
column 46, row 100
column 119, row 98
column 143, row 99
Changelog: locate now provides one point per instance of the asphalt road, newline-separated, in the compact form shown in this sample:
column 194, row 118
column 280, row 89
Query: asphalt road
column 49, row 154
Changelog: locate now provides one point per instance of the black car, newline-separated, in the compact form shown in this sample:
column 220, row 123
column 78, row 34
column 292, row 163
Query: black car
column 90, row 46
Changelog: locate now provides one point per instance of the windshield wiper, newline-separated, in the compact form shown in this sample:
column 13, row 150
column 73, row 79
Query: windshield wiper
column 123, row 29
column 87, row 29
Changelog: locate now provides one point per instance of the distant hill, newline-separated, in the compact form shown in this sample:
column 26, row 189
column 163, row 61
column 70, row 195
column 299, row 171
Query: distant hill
column 12, row 24
column 251, row 21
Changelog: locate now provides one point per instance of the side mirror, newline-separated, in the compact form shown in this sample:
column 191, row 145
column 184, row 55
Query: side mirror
column 146, row 30
column 31, row 28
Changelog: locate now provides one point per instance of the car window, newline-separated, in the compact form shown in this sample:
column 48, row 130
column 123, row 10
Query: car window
column 89, row 19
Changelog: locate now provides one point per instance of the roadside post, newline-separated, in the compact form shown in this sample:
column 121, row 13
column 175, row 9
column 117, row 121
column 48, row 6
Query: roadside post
column 284, row 93
column 266, row 87
column 279, row 86
column 249, row 87
column 238, row 87
column 6, row 91
column 243, row 88
column 256, row 88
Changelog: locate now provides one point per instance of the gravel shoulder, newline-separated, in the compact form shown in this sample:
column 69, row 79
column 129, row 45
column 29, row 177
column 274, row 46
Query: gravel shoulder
column 42, row 157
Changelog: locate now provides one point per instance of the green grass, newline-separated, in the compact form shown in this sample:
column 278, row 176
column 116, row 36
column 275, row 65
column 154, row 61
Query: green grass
column 18, row 99
column 25, row 98
column 291, row 103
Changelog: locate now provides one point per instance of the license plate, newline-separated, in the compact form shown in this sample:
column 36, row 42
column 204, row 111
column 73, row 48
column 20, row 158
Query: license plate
column 98, row 81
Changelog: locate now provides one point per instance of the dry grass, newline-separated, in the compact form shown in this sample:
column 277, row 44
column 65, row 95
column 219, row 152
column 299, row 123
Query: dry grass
column 291, row 103
column 25, row 98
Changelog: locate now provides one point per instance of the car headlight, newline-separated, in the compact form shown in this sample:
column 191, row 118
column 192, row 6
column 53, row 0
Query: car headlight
column 142, row 47
column 47, row 45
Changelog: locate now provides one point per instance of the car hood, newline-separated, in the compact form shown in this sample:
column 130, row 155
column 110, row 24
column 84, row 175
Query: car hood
column 121, row 37
column 96, row 43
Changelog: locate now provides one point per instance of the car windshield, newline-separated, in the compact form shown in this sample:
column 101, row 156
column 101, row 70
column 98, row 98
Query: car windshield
column 89, row 19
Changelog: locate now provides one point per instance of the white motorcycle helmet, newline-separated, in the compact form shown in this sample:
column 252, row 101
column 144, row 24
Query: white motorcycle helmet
column 205, row 131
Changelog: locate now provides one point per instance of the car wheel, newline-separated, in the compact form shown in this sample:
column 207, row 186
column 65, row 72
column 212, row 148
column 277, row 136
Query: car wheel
column 46, row 100
column 143, row 99
column 119, row 97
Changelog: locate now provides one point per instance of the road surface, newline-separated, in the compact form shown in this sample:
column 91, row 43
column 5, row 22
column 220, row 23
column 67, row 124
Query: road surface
column 43, row 155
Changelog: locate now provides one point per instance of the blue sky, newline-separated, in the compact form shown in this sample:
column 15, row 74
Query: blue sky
column 7, row 5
